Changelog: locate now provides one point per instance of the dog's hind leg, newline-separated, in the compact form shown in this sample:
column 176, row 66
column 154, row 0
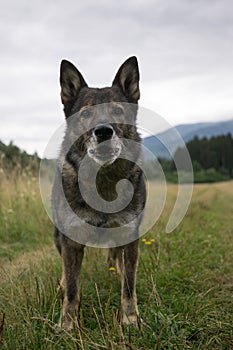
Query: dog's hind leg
column 72, row 256
column 128, row 262
column 112, row 257
column 57, row 239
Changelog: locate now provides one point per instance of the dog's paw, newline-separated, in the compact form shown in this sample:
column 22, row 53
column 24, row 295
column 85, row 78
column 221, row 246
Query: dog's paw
column 130, row 319
column 65, row 324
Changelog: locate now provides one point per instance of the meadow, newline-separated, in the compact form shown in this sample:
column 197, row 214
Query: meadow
column 184, row 285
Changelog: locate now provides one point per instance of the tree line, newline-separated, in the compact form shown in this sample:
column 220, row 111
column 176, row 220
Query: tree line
column 215, row 153
column 13, row 159
column 212, row 160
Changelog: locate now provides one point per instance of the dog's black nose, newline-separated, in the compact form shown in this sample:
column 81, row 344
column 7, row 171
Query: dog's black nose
column 103, row 132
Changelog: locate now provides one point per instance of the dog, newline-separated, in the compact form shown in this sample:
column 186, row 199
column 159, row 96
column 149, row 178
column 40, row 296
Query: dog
column 99, row 132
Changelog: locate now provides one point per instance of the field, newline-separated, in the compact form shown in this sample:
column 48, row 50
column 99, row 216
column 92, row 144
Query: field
column 185, row 280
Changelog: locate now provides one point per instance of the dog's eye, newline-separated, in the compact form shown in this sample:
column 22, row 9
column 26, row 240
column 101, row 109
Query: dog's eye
column 117, row 111
column 85, row 113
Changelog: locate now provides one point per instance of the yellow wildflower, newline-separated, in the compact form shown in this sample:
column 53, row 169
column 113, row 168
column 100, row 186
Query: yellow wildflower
column 112, row 268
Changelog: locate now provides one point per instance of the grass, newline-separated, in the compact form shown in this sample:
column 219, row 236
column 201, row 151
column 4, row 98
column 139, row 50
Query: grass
column 184, row 285
column 23, row 223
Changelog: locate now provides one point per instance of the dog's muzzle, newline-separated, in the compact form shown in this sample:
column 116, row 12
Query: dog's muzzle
column 105, row 145
column 103, row 132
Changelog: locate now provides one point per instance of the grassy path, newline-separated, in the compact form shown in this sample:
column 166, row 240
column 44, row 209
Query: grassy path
column 185, row 283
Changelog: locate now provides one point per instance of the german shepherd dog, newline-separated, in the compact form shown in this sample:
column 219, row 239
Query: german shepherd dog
column 119, row 100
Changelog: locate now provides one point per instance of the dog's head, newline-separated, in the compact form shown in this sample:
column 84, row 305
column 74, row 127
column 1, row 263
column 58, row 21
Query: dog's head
column 103, row 116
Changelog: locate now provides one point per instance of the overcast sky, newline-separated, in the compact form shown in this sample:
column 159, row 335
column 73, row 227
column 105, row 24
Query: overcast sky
column 184, row 48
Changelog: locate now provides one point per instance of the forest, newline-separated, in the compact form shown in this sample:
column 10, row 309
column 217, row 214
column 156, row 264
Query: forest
column 215, row 153
column 212, row 160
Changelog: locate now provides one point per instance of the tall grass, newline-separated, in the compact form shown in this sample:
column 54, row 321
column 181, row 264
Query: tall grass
column 23, row 222
column 184, row 283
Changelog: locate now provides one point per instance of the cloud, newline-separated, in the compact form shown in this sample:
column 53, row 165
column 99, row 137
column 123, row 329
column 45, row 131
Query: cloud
column 190, row 99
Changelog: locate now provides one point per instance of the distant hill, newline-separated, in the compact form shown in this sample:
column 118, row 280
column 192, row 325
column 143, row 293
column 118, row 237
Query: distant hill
column 187, row 132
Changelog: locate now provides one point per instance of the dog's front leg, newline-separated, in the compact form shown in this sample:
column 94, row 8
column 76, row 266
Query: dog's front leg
column 128, row 262
column 72, row 256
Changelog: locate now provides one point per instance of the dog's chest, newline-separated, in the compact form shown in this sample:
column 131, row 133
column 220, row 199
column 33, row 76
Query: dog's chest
column 104, row 210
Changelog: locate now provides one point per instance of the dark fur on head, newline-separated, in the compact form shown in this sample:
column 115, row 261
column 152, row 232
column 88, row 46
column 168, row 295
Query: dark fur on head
column 75, row 91
column 77, row 96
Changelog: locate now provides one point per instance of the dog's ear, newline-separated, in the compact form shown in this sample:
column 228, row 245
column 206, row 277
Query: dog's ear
column 127, row 78
column 71, row 81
